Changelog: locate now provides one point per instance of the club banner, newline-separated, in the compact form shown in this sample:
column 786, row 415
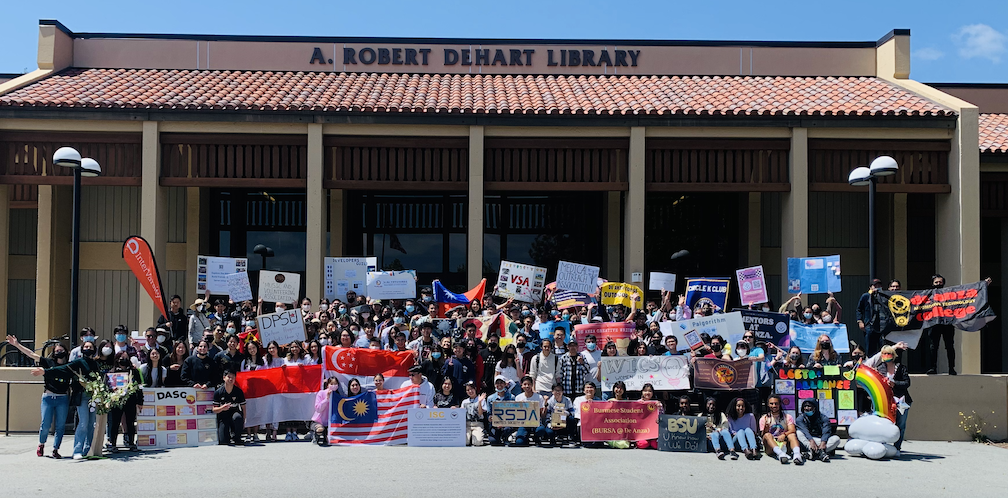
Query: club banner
column 752, row 286
column 724, row 324
column 965, row 307
column 682, row 433
column 391, row 284
column 806, row 336
column 279, row 287
column 712, row 373
column 664, row 373
column 140, row 259
column 619, row 293
column 768, row 327
column 283, row 327
column 712, row 291
column 577, row 277
column 212, row 273
column 175, row 417
column 831, row 387
column 515, row 414
column 342, row 275
column 814, row 275
column 619, row 333
column 619, row 420
column 521, row 282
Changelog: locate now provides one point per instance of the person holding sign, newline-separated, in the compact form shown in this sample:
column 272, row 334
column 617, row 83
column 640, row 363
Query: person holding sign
column 647, row 395
column 527, row 394
column 228, row 403
column 498, row 435
column 778, row 430
column 558, row 418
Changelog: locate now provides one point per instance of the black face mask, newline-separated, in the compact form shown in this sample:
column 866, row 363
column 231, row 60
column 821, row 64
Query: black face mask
column 89, row 353
column 937, row 286
column 59, row 355
column 124, row 362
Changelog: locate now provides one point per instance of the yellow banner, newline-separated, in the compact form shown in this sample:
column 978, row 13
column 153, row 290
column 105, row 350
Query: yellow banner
column 619, row 293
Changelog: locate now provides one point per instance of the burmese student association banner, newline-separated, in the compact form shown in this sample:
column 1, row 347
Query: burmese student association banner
column 713, row 373
column 712, row 291
column 614, row 293
column 965, row 307
column 814, row 275
column 619, row 420
column 664, row 373
column 619, row 333
column 520, row 282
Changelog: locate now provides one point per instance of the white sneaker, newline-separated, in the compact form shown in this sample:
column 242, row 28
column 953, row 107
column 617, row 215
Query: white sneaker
column 78, row 456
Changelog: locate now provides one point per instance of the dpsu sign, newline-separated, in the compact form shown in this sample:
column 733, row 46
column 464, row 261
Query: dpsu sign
column 283, row 327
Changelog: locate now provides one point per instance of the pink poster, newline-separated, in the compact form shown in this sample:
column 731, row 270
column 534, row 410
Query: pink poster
column 751, row 285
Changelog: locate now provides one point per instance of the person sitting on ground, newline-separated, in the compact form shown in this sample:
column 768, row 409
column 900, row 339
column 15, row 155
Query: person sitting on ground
column 558, row 418
column 742, row 426
column 815, row 433
column 320, row 419
column 522, row 435
column 685, row 406
column 474, row 415
column 228, row 404
column 497, row 435
column 446, row 398
column 778, row 430
column 717, row 429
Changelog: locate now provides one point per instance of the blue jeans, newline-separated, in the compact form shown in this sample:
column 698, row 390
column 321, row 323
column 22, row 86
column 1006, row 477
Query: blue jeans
column 717, row 437
column 54, row 411
column 86, row 420
column 522, row 436
column 746, row 439
column 901, row 419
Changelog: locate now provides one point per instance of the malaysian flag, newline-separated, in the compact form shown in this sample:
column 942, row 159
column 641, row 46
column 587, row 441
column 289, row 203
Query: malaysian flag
column 372, row 417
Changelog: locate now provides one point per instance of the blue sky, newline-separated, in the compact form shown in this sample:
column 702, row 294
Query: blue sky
column 962, row 42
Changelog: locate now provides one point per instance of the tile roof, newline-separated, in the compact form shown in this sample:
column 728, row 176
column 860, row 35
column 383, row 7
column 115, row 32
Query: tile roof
column 472, row 94
column 994, row 133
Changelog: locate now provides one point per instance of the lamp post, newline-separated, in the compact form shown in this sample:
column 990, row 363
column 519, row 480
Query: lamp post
column 264, row 251
column 69, row 157
column 869, row 175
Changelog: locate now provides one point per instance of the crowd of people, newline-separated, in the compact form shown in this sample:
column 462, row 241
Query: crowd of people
column 456, row 366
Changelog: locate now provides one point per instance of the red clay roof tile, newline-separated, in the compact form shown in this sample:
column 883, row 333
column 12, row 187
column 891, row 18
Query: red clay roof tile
column 471, row 94
column 994, row 133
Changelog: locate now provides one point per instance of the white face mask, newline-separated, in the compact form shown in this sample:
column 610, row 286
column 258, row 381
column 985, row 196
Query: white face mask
column 106, row 351
column 306, row 308
column 281, row 308
column 323, row 307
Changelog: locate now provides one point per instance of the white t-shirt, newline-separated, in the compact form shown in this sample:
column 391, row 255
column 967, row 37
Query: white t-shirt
column 426, row 391
column 591, row 359
column 275, row 362
column 534, row 397
column 510, row 373
column 578, row 401
column 294, row 362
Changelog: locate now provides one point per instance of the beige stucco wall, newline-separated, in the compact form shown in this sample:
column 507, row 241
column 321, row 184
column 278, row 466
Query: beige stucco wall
column 938, row 399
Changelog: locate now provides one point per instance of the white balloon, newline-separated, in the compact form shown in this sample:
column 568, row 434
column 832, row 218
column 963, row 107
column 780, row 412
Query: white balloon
column 874, row 428
column 874, row 450
column 890, row 451
column 854, row 446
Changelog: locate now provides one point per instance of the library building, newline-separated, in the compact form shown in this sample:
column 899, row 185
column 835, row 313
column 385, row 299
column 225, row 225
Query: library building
column 448, row 156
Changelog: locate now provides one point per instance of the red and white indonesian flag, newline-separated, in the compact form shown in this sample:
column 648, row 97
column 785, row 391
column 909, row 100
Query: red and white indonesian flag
column 364, row 364
column 282, row 394
column 390, row 424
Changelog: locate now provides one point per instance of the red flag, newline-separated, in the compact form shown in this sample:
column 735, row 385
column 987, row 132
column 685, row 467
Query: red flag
column 364, row 364
column 139, row 257
column 390, row 427
column 279, row 394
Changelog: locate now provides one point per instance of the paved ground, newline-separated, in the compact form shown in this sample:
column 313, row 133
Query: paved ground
column 303, row 469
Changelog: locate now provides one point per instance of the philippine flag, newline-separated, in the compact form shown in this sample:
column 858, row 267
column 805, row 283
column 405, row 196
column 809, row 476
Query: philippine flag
column 279, row 394
column 364, row 364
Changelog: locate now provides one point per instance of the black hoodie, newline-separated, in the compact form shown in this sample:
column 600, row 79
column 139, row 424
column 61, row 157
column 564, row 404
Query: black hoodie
column 815, row 426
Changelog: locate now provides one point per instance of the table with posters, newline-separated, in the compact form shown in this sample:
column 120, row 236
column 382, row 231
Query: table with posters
column 173, row 417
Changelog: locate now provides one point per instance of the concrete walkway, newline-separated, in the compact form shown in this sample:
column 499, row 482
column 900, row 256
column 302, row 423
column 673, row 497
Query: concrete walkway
column 303, row 469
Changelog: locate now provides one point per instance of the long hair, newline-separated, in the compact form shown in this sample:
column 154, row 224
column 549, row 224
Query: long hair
column 504, row 363
column 817, row 354
column 269, row 356
column 173, row 358
column 733, row 412
column 715, row 415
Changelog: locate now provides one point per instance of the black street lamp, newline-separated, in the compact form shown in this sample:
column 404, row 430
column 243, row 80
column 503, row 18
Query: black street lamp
column 869, row 175
column 69, row 157
column 264, row 251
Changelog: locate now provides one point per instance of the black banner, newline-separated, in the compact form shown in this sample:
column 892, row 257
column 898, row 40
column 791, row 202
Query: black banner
column 681, row 433
column 965, row 307
column 767, row 326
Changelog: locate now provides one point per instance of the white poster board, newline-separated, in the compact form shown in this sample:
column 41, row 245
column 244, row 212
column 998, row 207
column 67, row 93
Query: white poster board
column 726, row 325
column 661, row 281
column 436, row 427
column 577, row 277
column 279, row 287
column 522, row 282
column 664, row 373
column 283, row 327
column 239, row 288
column 173, row 417
column 347, row 274
column 391, row 284
column 212, row 272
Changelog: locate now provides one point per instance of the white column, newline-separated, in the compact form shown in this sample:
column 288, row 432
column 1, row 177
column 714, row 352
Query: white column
column 794, row 211
column 474, row 230
column 633, row 228
column 153, row 217
column 316, row 229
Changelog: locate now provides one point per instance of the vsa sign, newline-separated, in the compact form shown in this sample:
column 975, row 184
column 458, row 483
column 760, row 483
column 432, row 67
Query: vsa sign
column 515, row 414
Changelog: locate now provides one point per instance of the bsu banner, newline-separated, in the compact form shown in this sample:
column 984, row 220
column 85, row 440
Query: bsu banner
column 965, row 307
column 139, row 257
column 619, row 420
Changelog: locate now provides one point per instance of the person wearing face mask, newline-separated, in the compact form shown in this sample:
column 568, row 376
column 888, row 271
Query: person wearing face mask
column 176, row 320
column 791, row 359
column 814, row 431
column 387, row 335
column 55, row 394
column 938, row 333
column 198, row 321
column 151, row 338
column 199, row 370
column 833, row 311
column 87, row 334
column 128, row 411
column 122, row 342
column 591, row 354
column 86, row 417
column 496, row 435
column 105, row 356
column 887, row 362
column 824, row 354
column 491, row 356
column 868, row 316
column 306, row 312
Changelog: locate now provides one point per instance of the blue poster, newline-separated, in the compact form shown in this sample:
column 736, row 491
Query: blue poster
column 813, row 275
column 701, row 291
column 806, row 336
column 546, row 330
